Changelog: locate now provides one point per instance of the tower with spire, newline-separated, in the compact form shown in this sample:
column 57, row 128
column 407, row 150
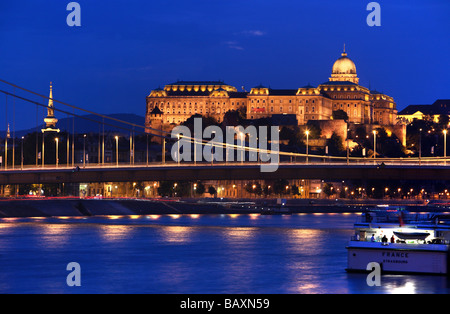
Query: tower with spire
column 50, row 120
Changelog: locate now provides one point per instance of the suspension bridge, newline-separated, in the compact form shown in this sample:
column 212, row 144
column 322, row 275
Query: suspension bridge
column 75, row 170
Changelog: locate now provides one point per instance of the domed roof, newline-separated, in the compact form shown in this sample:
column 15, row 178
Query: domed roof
column 344, row 70
column 344, row 65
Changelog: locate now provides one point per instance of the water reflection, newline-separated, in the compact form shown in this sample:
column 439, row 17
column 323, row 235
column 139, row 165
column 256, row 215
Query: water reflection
column 54, row 235
column 407, row 288
column 304, row 241
column 4, row 227
column 192, row 254
column 238, row 234
column 113, row 233
column 176, row 234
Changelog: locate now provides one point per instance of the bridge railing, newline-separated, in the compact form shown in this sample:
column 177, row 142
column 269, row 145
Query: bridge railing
column 313, row 161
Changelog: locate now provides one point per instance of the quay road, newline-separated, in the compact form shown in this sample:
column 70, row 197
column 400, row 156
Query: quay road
column 336, row 170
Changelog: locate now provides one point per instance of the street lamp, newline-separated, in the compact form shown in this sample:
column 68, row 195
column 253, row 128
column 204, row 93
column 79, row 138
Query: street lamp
column 212, row 149
column 348, row 151
column 242, row 144
column 374, row 144
column 84, row 151
column 420, row 147
column 21, row 157
column 131, row 150
column 307, row 145
column 117, row 151
column 178, row 149
column 57, row 152
column 445, row 146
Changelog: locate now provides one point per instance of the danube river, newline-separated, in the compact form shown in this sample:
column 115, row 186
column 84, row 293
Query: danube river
column 192, row 254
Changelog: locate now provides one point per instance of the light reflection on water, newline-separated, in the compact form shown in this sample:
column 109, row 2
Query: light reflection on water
column 190, row 254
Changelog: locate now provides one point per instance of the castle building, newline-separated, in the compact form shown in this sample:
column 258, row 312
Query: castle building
column 180, row 100
column 423, row 112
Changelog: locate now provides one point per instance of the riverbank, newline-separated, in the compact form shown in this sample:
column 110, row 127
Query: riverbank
column 75, row 207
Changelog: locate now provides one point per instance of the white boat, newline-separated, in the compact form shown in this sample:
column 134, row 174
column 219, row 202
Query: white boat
column 401, row 242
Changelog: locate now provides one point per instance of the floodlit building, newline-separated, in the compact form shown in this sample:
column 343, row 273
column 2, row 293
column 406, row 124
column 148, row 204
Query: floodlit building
column 426, row 112
column 178, row 101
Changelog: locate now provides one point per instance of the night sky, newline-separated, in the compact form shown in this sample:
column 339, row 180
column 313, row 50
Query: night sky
column 126, row 48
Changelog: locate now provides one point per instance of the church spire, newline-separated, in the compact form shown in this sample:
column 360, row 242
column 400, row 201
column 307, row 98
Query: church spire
column 344, row 54
column 50, row 120
column 50, row 108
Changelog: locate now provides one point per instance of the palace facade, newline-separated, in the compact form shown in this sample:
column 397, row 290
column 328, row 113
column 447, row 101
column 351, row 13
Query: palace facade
column 178, row 101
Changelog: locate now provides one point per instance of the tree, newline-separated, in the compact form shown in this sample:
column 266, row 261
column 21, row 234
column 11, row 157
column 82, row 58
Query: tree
column 267, row 190
column 295, row 190
column 340, row 115
column 199, row 188
column 165, row 188
column 279, row 187
column 328, row 189
column 254, row 188
column 335, row 145
column 171, row 188
column 314, row 130
column 138, row 189
column 444, row 120
column 212, row 190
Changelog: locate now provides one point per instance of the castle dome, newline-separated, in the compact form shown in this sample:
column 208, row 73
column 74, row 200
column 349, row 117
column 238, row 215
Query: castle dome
column 344, row 69
column 344, row 65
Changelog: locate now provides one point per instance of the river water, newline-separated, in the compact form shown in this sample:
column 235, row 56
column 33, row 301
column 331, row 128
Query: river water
column 190, row 254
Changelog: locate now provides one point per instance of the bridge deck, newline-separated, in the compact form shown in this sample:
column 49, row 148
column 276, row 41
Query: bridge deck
column 236, row 171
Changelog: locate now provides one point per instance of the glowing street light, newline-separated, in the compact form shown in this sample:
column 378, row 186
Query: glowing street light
column 374, row 144
column 445, row 146
column 84, row 151
column 117, row 151
column 307, row 145
column 242, row 145
column 21, row 157
column 420, row 147
column 178, row 149
column 57, row 152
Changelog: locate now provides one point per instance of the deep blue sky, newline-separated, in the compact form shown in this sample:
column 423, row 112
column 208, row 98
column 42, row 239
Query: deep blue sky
column 126, row 48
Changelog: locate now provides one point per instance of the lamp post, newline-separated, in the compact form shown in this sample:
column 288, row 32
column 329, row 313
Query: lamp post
column 84, row 151
column 57, row 152
column 445, row 146
column 374, row 144
column 43, row 149
column 68, row 150
column 117, row 151
column 195, row 151
column 147, row 149
column 242, row 144
column 420, row 147
column 163, row 157
column 212, row 149
column 131, row 149
column 178, row 149
column 6, row 153
column 21, row 157
column 348, row 152
column 307, row 145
